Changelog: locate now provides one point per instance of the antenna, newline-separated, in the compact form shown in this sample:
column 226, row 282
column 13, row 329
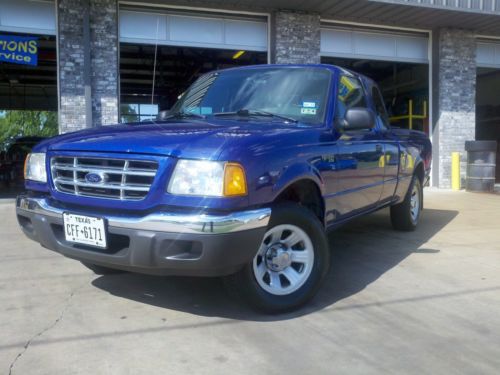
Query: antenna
column 154, row 64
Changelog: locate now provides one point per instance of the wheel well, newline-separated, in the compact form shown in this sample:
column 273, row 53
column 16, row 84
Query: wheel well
column 307, row 194
column 419, row 172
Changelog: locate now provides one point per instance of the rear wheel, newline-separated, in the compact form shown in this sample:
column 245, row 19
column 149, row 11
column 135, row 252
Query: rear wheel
column 100, row 270
column 405, row 215
column 290, row 264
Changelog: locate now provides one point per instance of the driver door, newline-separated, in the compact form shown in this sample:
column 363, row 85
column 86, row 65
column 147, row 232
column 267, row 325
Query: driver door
column 359, row 176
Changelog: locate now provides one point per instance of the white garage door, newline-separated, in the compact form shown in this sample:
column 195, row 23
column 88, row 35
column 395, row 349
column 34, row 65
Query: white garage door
column 193, row 30
column 374, row 45
column 28, row 16
column 488, row 54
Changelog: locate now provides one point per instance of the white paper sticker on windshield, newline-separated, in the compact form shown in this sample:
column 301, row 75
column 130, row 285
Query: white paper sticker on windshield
column 309, row 104
column 308, row 111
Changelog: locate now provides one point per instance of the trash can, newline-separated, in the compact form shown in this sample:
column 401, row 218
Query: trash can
column 481, row 164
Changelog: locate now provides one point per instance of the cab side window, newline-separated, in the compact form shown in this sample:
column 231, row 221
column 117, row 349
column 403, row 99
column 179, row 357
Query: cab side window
column 380, row 108
column 351, row 94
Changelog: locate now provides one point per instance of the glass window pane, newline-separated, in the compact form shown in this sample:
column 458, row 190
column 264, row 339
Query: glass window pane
column 298, row 93
column 380, row 107
column 351, row 94
column 149, row 109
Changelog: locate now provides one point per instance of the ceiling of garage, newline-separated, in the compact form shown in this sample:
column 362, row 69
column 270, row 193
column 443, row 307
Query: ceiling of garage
column 381, row 12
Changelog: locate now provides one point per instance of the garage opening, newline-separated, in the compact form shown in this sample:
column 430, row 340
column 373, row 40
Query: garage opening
column 188, row 44
column 176, row 68
column 28, row 102
column 488, row 108
column 404, row 86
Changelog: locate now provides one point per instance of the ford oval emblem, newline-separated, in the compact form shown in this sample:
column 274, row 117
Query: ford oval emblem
column 94, row 178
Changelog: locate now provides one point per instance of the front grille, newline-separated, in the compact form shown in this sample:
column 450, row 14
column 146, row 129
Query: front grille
column 120, row 179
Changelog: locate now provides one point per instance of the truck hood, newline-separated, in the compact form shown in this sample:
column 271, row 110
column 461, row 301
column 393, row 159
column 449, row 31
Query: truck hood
column 182, row 139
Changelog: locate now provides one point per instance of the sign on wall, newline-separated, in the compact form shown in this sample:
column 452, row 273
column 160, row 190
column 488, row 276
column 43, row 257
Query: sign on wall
column 19, row 49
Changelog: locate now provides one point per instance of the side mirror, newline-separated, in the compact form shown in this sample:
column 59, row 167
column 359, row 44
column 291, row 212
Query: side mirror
column 162, row 115
column 358, row 119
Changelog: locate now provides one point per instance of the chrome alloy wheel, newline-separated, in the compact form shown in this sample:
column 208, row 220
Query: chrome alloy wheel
column 284, row 260
column 415, row 203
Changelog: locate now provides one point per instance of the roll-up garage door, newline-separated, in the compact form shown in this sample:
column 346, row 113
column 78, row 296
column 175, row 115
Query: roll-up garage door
column 193, row 30
column 27, row 16
column 488, row 54
column 374, row 45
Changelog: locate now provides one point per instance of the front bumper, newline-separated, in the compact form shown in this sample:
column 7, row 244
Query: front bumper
column 162, row 243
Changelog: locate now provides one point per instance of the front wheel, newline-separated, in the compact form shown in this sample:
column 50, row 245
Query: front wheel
column 405, row 215
column 290, row 264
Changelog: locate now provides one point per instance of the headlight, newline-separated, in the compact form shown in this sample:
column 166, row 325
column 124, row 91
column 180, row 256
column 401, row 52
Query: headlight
column 34, row 167
column 208, row 178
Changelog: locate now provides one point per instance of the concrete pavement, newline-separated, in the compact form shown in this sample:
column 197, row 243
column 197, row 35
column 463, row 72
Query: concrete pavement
column 413, row 303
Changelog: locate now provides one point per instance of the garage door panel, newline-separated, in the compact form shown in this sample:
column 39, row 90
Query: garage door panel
column 196, row 30
column 354, row 43
column 36, row 17
column 336, row 41
column 488, row 54
column 246, row 33
column 193, row 31
column 413, row 48
column 373, row 45
column 142, row 25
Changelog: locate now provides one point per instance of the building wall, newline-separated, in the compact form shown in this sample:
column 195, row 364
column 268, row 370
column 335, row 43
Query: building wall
column 71, row 55
column 296, row 38
column 456, row 121
column 104, row 61
column 88, row 63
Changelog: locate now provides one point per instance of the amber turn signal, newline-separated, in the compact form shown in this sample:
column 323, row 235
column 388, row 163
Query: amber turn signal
column 234, row 180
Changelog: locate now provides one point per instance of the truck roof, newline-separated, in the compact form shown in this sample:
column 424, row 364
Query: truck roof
column 334, row 68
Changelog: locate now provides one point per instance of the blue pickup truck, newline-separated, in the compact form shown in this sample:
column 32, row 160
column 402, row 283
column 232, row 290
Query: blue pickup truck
column 242, row 178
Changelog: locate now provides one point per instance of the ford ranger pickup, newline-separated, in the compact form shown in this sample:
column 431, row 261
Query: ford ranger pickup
column 242, row 178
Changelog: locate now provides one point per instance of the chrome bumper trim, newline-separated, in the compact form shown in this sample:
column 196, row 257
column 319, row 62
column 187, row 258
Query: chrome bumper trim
column 162, row 221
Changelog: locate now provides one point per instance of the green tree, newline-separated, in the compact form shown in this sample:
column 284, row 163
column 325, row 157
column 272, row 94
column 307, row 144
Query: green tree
column 27, row 123
column 129, row 113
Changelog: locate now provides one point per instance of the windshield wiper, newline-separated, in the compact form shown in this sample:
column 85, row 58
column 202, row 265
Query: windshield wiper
column 181, row 115
column 255, row 112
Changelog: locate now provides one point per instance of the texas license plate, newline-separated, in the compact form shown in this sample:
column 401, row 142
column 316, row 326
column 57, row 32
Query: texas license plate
column 86, row 230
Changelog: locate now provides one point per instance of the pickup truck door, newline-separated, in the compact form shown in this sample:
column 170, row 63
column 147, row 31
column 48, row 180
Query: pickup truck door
column 359, row 173
column 390, row 161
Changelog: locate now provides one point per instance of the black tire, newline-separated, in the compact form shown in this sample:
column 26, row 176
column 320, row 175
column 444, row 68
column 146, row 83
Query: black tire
column 101, row 270
column 401, row 213
column 244, row 283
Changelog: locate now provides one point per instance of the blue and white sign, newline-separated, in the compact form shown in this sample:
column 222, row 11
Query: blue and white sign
column 19, row 49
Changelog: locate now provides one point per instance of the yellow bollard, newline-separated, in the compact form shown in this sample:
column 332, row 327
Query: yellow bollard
column 455, row 170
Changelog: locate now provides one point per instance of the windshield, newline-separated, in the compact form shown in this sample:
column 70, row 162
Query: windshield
column 297, row 94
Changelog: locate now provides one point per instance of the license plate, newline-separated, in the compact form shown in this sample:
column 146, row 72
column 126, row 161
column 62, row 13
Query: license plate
column 86, row 230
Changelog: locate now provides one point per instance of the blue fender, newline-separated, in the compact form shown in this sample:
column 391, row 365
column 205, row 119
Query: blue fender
column 295, row 173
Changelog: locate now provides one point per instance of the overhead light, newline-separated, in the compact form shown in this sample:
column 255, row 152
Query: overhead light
column 238, row 54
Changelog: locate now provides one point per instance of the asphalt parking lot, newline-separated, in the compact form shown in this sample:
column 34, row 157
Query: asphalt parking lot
column 413, row 303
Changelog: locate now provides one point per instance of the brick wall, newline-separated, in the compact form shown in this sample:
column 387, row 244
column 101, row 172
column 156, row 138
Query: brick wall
column 103, row 44
column 72, row 111
column 104, row 57
column 296, row 38
column 457, row 98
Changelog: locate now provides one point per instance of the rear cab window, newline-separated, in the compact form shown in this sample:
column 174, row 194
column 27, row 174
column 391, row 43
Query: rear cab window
column 381, row 112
